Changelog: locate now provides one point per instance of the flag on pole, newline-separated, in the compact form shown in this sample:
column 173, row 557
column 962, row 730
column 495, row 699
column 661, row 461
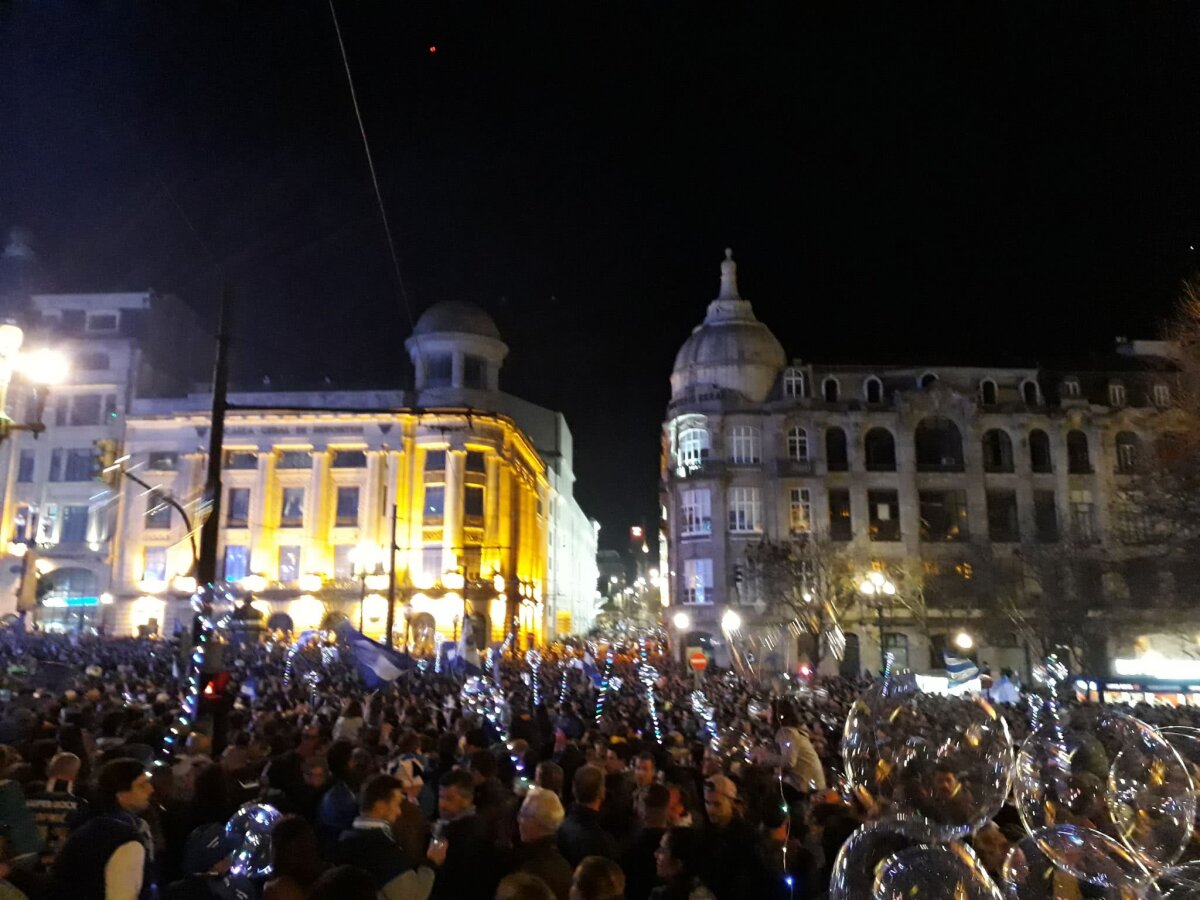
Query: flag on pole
column 376, row 664
column 960, row 669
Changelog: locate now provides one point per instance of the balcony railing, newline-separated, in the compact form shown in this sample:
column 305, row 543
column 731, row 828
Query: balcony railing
column 786, row 467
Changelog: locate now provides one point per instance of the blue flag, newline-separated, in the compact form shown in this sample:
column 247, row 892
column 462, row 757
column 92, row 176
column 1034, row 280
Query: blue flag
column 960, row 669
column 376, row 664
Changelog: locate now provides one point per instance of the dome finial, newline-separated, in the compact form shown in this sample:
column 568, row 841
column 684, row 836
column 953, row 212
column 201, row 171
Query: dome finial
column 729, row 286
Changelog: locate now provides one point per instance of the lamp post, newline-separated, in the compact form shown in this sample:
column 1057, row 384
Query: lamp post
column 365, row 560
column 682, row 622
column 40, row 367
column 877, row 587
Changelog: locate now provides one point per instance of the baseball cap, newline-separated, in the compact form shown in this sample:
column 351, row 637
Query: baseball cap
column 722, row 786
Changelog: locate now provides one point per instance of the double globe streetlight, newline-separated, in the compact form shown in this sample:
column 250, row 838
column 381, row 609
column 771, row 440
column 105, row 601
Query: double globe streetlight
column 41, row 368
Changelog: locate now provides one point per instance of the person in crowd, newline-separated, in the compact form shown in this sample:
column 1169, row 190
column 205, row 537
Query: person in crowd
column 296, row 862
column 637, row 858
column 349, row 723
column 472, row 866
column 339, row 805
column 538, row 821
column 197, row 755
column 109, row 857
column 727, row 841
column 616, row 814
column 344, row 883
column 786, row 869
column 57, row 808
column 549, row 776
column 411, row 828
column 678, row 863
column 597, row 878
column 581, row 833
column 522, row 886
column 370, row 844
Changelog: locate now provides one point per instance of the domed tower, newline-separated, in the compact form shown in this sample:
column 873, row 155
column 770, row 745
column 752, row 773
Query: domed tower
column 731, row 349
column 456, row 347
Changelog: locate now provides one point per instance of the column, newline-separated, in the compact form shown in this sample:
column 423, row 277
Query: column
column 264, row 515
column 492, row 537
column 316, row 554
column 452, row 514
column 370, row 513
column 977, row 520
column 906, row 487
column 1024, row 486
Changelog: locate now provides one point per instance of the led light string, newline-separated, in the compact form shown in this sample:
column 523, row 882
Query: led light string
column 534, row 658
column 191, row 700
column 562, row 687
column 707, row 712
column 608, row 664
column 649, row 676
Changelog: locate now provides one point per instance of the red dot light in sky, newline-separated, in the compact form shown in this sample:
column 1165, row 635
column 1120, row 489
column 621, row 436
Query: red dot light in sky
column 433, row 49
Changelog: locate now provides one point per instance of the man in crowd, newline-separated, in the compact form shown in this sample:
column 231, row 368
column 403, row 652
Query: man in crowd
column 472, row 866
column 581, row 833
column 637, row 859
column 727, row 841
column 538, row 821
column 57, row 809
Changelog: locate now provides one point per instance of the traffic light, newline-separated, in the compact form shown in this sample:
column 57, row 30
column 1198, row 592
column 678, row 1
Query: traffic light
column 104, row 465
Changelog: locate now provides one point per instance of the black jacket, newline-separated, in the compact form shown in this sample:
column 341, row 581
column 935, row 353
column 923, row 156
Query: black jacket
column 638, row 863
column 472, row 867
column 729, row 862
column 582, row 835
column 543, row 859
column 79, row 869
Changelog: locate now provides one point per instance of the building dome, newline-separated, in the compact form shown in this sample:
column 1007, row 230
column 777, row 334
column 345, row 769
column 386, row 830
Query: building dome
column 456, row 317
column 731, row 349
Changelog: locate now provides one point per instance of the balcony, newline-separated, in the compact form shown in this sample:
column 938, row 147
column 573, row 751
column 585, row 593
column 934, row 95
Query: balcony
column 947, row 464
column 709, row 468
column 789, row 467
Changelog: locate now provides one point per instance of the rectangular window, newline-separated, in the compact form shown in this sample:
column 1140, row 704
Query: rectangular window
column 439, row 370
column 158, row 512
column 237, row 514
column 85, row 409
column 102, row 322
column 474, row 372
column 237, row 562
column 435, row 503
column 291, row 507
column 154, row 566
column 294, row 459
column 884, row 508
column 110, row 407
column 289, row 564
column 1162, row 396
column 745, row 445
column 797, row 444
column 343, row 561
column 473, row 502
column 48, row 524
column 62, row 406
column 56, row 463
column 435, row 460
column 349, row 459
column 1083, row 516
column 472, row 561
column 943, row 515
column 79, row 465
column 162, row 461
column 695, row 512
column 697, row 581
column 431, row 562
column 745, row 510
column 73, row 320
column 241, row 459
column 799, row 511
column 74, row 525
column 840, row 528
column 1133, row 524
column 476, row 461
column 1045, row 517
column 25, row 467
column 347, row 507
column 1003, row 525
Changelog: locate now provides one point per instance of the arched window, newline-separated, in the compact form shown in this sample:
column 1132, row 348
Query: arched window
column 987, row 392
column 997, row 451
column 1129, row 453
column 745, row 445
column 793, row 383
column 873, row 390
column 1030, row 393
column 693, row 447
column 939, row 445
column 1039, row 452
column 879, row 449
column 829, row 389
column 926, row 381
column 797, row 444
column 1070, row 387
column 1079, row 461
column 836, row 457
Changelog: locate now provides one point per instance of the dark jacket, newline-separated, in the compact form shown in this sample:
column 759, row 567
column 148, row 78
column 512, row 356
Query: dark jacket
column 79, row 869
column 729, row 862
column 472, row 867
column 638, row 863
column 581, row 834
column 374, row 850
column 543, row 859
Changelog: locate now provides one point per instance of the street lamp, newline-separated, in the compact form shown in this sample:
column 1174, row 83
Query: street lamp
column 682, row 622
column 40, row 367
column 730, row 621
column 364, row 559
column 964, row 641
column 877, row 586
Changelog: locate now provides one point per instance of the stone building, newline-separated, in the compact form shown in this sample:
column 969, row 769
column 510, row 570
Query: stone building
column 953, row 482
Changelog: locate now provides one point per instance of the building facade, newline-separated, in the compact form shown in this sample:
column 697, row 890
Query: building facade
column 477, row 485
column 936, row 473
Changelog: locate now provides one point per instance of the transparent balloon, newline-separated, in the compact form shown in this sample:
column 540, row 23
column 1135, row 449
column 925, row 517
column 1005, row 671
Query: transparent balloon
column 1072, row 861
column 853, row 875
column 1186, row 742
column 1180, row 882
column 934, row 871
column 1151, row 797
column 948, row 759
column 249, row 831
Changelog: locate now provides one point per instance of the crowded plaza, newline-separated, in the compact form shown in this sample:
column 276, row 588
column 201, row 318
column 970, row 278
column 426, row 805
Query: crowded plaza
column 591, row 771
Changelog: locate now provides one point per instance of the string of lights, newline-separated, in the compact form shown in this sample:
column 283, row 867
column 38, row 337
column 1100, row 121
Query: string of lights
column 608, row 664
column 707, row 712
column 649, row 677
column 534, row 658
column 563, row 687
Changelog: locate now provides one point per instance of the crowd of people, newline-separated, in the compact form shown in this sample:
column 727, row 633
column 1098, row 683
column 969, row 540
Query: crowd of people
column 406, row 792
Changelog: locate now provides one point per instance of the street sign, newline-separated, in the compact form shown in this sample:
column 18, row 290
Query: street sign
column 698, row 660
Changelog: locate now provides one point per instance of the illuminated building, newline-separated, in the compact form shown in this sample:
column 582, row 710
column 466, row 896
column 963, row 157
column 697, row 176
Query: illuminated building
column 943, row 469
column 480, row 484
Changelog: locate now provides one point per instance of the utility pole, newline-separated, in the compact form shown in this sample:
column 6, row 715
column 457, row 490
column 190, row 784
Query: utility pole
column 391, row 610
column 206, row 565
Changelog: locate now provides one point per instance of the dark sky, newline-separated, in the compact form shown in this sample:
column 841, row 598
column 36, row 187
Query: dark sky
column 969, row 180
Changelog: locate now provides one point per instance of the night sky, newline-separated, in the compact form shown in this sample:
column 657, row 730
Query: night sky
column 968, row 181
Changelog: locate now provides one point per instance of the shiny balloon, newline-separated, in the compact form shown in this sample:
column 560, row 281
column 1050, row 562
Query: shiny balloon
column 934, row 872
column 853, row 875
column 1180, row 882
column 249, row 832
column 948, row 759
column 1072, row 861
